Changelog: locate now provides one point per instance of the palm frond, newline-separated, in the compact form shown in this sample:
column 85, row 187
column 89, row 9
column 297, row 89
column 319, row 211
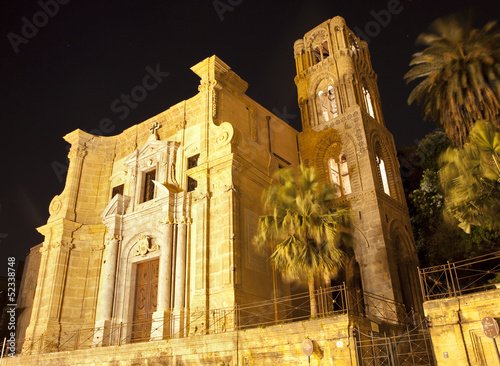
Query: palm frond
column 460, row 75
column 305, row 225
column 470, row 179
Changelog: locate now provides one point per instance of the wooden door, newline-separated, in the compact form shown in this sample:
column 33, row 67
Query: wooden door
column 146, row 293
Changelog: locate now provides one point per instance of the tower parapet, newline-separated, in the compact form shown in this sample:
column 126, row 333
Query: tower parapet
column 334, row 75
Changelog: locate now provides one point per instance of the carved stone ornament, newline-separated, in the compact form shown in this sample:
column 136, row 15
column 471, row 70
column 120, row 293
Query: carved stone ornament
column 180, row 125
column 215, row 100
column 183, row 220
column 55, row 205
column 166, row 221
column 144, row 246
column 77, row 151
column 224, row 133
column 229, row 188
column 55, row 245
column 200, row 196
column 205, row 85
column 111, row 236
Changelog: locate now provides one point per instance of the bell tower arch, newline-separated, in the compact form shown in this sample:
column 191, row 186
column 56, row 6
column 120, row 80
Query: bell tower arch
column 344, row 136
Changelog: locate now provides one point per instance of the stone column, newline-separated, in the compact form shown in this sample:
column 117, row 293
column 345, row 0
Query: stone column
column 180, row 279
column 76, row 155
column 103, row 325
column 160, row 328
column 109, row 280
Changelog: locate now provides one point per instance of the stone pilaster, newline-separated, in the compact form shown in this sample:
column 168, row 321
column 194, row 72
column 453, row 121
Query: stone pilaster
column 103, row 325
column 76, row 156
column 161, row 317
column 179, row 312
column 43, row 331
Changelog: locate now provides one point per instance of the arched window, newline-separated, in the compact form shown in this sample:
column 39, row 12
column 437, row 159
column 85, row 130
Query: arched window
column 353, row 44
column 344, row 175
column 333, row 169
column 332, row 102
column 317, row 54
column 368, row 101
column 383, row 174
column 320, row 52
column 324, row 49
column 339, row 175
column 323, row 105
column 327, row 105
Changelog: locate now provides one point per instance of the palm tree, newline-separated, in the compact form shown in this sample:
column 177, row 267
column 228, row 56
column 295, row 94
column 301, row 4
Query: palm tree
column 461, row 71
column 305, row 229
column 471, row 179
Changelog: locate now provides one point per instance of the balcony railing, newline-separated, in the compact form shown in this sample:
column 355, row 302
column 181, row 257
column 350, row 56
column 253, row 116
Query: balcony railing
column 459, row 278
column 331, row 301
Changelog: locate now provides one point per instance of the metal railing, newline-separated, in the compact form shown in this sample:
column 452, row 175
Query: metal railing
column 411, row 347
column 459, row 278
column 331, row 301
column 376, row 306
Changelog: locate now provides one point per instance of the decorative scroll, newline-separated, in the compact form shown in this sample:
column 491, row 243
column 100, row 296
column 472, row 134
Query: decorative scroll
column 55, row 205
column 224, row 133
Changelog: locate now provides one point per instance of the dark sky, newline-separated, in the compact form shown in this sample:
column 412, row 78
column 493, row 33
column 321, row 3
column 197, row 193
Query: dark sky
column 65, row 71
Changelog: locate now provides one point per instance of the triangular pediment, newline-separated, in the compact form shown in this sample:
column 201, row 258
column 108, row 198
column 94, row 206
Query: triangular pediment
column 149, row 149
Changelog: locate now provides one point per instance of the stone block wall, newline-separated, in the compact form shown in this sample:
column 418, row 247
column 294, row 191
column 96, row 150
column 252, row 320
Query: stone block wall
column 273, row 345
column 456, row 332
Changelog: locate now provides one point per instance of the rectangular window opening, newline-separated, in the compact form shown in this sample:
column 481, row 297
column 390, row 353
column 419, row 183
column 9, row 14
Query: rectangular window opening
column 117, row 190
column 149, row 186
column 193, row 161
column 192, row 184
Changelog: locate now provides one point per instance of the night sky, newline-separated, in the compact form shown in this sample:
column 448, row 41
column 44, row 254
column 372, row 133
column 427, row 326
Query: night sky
column 65, row 64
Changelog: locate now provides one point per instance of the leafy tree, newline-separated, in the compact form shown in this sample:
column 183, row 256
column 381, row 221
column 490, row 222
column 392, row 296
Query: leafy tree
column 305, row 228
column 461, row 75
column 471, row 179
column 437, row 239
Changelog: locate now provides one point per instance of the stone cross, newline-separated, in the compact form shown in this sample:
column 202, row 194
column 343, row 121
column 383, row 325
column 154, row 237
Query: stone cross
column 154, row 127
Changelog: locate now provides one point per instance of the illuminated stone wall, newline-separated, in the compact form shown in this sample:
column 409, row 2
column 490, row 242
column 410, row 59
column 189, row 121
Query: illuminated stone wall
column 456, row 332
column 201, row 218
column 342, row 119
column 274, row 345
column 209, row 262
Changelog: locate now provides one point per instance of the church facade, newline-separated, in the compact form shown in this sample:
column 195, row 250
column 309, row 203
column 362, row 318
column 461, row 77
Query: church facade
column 154, row 226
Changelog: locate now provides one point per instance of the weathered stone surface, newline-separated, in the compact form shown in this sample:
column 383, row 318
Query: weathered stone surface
column 456, row 332
column 200, row 168
column 273, row 345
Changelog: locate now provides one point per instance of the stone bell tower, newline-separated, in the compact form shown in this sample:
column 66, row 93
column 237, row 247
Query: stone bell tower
column 344, row 136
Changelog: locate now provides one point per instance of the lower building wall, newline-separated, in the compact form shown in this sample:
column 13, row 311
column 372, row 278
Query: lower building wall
column 456, row 332
column 274, row 345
